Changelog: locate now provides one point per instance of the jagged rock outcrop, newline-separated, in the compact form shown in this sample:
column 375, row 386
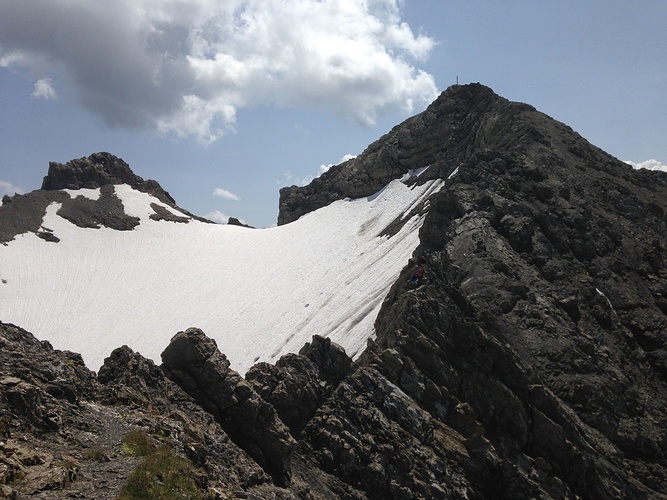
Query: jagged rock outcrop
column 63, row 429
column 194, row 361
column 297, row 385
column 25, row 213
column 97, row 170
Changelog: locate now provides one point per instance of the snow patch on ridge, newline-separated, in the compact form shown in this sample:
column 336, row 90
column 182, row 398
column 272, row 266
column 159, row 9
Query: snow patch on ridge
column 91, row 194
column 415, row 172
column 138, row 204
column 259, row 293
column 456, row 171
column 434, row 186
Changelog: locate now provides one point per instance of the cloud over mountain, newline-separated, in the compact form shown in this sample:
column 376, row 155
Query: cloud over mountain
column 188, row 67
column 7, row 188
column 217, row 216
column 226, row 194
column 649, row 165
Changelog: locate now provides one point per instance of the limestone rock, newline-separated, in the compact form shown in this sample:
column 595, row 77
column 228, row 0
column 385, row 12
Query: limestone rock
column 96, row 170
column 194, row 362
column 297, row 385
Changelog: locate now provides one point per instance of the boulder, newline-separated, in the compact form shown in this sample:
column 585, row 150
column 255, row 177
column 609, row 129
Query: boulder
column 297, row 385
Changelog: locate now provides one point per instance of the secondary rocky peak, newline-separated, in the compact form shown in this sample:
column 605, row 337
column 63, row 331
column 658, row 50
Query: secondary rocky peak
column 100, row 169
column 25, row 212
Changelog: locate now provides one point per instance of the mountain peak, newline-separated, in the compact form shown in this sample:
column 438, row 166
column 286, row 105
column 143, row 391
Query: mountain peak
column 97, row 170
column 442, row 136
column 102, row 171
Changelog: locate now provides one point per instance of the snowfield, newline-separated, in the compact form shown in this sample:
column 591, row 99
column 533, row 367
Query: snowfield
column 260, row 293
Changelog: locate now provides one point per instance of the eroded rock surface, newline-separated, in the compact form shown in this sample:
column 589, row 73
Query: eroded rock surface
column 195, row 363
column 96, row 170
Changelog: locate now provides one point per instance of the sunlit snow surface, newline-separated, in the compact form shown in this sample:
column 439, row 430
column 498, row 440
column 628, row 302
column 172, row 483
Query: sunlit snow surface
column 259, row 293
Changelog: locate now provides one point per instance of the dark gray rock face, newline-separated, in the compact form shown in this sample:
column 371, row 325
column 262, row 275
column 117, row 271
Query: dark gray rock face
column 106, row 211
column 541, row 321
column 194, row 361
column 447, row 132
column 96, row 170
column 25, row 213
column 297, row 385
column 374, row 436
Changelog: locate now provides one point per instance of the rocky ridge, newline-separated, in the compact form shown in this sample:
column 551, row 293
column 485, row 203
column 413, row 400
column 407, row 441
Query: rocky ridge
column 99, row 169
column 24, row 213
column 528, row 361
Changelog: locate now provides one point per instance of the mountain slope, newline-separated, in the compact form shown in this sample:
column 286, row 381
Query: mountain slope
column 528, row 362
column 258, row 293
column 539, row 333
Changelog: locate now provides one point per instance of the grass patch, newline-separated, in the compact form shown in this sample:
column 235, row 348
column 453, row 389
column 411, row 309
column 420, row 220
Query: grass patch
column 15, row 476
column 137, row 444
column 68, row 465
column 161, row 475
column 95, row 455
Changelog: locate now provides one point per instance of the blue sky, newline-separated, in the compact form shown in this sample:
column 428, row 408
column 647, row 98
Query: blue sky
column 224, row 102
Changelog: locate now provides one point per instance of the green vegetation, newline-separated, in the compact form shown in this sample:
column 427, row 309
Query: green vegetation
column 68, row 465
column 95, row 455
column 161, row 475
column 138, row 444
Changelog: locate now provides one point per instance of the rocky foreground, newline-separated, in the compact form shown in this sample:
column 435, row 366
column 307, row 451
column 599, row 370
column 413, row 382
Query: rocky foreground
column 528, row 361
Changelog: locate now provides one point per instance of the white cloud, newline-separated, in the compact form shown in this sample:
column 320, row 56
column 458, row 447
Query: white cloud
column 227, row 195
column 11, row 59
column 323, row 168
column 649, row 165
column 290, row 180
column 44, row 89
column 217, row 216
column 188, row 67
column 8, row 189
